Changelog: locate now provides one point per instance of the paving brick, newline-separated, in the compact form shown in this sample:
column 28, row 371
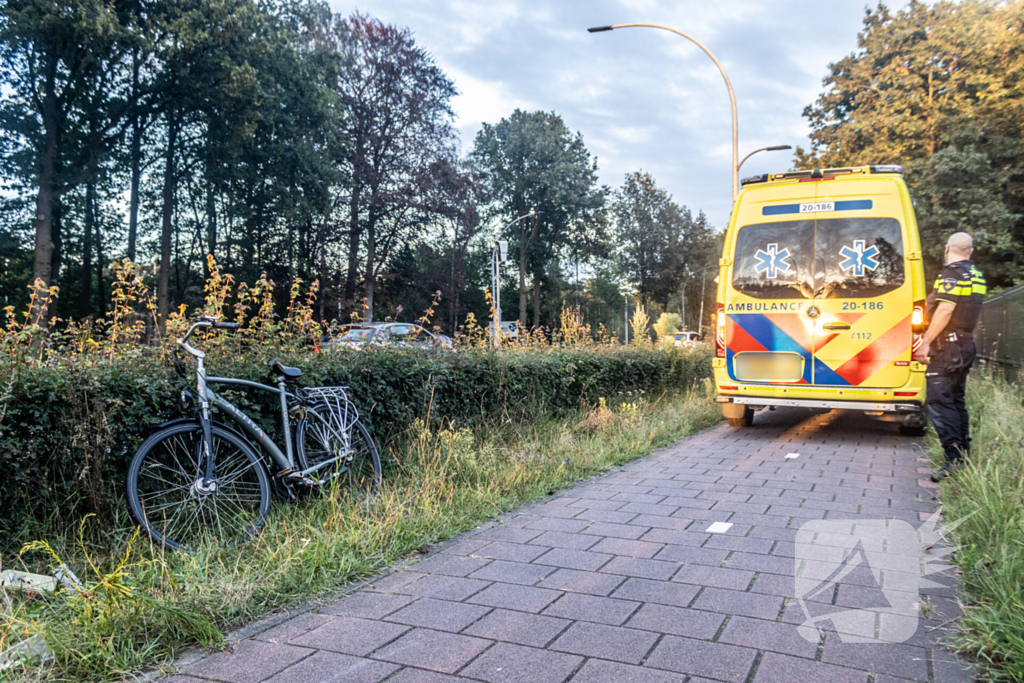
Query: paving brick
column 741, row 543
column 500, row 533
column 508, row 663
column 649, row 509
column 512, row 596
column 570, row 526
column 897, row 659
column 445, row 587
column 598, row 504
column 761, row 563
column 422, row 676
column 647, row 569
column 678, row 621
column 720, row 577
column 518, row 627
column 657, row 522
column 693, row 555
column 294, row 628
column 513, row 572
column 466, row 547
column 638, row 498
column 627, row 548
column 393, row 582
column 573, row 559
column 615, row 530
column 613, row 516
column 434, row 650
column 772, row 636
column 513, row 552
column 331, row 667
column 451, row 565
column 658, row 592
column 368, row 605
column 248, row 661
column 575, row 581
column 578, row 606
column 607, row 642
column 674, row 537
column 599, row 671
column 439, row 614
column 702, row 658
column 350, row 636
column 751, row 604
column 559, row 539
column 777, row 668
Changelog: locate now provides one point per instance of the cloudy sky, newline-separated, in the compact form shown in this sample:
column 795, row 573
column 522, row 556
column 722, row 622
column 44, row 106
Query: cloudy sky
column 643, row 99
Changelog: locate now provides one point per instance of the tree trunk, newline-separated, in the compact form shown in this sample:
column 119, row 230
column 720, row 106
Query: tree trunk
column 371, row 256
column 136, row 168
column 167, row 225
column 354, row 233
column 522, row 282
column 85, row 302
column 101, row 291
column 42, row 264
column 536, row 301
column 211, row 219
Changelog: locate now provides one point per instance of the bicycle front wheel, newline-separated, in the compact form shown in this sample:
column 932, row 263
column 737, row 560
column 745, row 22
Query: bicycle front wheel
column 171, row 501
column 352, row 460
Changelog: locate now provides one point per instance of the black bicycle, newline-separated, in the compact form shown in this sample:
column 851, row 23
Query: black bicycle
column 198, row 479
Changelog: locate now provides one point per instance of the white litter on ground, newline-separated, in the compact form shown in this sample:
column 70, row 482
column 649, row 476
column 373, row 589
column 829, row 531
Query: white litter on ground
column 719, row 527
column 790, row 456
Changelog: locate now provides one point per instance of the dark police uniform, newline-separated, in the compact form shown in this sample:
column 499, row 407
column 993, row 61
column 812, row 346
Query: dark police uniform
column 952, row 355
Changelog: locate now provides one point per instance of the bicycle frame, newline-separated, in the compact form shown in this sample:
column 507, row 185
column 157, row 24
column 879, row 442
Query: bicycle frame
column 207, row 396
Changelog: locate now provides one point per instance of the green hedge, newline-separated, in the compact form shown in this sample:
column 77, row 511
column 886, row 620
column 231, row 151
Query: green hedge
column 68, row 427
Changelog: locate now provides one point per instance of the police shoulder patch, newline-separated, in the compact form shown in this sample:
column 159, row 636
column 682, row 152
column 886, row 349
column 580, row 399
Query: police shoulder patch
column 948, row 284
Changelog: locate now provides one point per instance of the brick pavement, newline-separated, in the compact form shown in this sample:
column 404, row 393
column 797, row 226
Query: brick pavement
column 618, row 579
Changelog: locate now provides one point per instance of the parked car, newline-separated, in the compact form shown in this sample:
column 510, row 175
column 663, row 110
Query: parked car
column 687, row 339
column 405, row 335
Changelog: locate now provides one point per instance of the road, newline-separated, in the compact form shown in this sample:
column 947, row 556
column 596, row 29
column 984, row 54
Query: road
column 620, row 580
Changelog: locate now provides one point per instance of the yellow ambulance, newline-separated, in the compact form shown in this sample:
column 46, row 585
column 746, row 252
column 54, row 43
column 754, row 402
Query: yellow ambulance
column 821, row 296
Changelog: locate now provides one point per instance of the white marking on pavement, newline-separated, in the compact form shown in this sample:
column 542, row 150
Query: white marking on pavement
column 719, row 527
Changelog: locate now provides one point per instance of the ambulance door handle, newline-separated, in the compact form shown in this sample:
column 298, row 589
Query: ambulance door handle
column 835, row 327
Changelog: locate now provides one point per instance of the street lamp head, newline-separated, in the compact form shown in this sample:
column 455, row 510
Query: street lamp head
column 779, row 148
column 598, row 29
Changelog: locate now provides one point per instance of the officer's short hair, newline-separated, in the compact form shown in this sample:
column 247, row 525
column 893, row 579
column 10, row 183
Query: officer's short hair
column 961, row 242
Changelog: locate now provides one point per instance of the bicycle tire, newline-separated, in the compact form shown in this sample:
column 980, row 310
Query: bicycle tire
column 173, row 452
column 364, row 471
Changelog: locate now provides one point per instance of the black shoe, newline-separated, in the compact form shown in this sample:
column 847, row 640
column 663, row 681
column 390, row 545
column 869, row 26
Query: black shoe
column 947, row 469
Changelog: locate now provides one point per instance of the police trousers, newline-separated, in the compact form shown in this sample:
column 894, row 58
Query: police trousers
column 945, row 405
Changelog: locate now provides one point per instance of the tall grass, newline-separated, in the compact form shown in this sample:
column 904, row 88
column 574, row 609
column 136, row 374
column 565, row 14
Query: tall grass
column 142, row 606
column 991, row 542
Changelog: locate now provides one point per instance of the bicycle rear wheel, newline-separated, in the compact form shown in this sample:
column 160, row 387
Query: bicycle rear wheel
column 356, row 463
column 170, row 502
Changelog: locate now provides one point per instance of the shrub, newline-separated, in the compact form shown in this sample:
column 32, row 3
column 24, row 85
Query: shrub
column 69, row 426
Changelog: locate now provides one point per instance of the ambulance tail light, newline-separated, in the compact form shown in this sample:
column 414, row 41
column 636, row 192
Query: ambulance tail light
column 720, row 331
column 917, row 325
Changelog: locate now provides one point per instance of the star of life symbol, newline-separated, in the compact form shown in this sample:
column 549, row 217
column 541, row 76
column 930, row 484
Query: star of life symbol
column 773, row 261
column 884, row 561
column 858, row 258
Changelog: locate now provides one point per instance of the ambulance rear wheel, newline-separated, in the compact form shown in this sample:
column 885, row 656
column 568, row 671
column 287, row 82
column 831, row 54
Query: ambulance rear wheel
column 738, row 415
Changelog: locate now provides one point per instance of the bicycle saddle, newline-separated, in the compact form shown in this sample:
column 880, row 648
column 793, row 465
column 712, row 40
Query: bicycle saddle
column 289, row 373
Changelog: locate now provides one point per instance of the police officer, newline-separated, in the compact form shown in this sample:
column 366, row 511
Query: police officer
column 948, row 348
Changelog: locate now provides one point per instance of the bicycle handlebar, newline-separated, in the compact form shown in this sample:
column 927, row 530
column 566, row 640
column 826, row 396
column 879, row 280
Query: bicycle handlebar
column 205, row 321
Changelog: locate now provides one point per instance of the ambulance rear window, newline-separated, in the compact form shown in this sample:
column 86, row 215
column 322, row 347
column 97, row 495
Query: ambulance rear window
column 858, row 258
column 775, row 260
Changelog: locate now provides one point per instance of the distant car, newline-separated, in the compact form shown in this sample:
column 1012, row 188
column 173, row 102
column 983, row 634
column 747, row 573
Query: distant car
column 406, row 335
column 687, row 339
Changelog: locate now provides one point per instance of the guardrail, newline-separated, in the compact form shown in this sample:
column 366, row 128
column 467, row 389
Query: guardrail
column 1000, row 332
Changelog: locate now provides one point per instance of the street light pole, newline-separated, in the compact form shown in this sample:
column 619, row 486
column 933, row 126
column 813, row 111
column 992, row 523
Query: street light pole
column 774, row 148
column 496, row 277
column 732, row 96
